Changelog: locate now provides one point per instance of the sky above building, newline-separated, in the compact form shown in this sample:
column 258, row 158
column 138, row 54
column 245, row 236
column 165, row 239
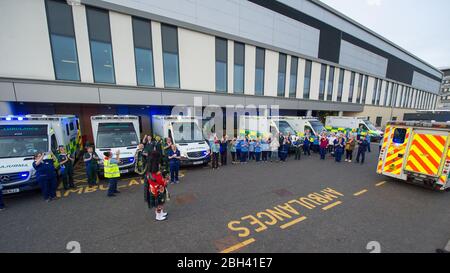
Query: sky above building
column 420, row 27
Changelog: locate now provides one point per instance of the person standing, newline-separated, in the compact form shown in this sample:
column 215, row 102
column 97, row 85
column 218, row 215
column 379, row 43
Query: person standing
column 331, row 140
column 233, row 150
column 298, row 148
column 368, row 140
column 307, row 144
column 362, row 148
column 157, row 191
column 215, row 152
column 339, row 148
column 257, row 150
column 90, row 159
column 2, row 205
column 174, row 164
column 274, row 146
column 349, row 147
column 264, row 149
column 244, row 151
column 112, row 173
column 140, row 162
column 45, row 175
column 224, row 150
column 284, row 149
column 66, row 164
column 323, row 145
column 238, row 148
column 251, row 149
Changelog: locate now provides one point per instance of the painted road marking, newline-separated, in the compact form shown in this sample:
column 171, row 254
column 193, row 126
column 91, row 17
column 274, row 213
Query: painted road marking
column 332, row 205
column 360, row 192
column 380, row 184
column 238, row 246
column 293, row 222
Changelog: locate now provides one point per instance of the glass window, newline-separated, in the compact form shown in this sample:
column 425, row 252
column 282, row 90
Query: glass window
column 62, row 40
column 239, row 64
column 341, row 84
column 330, row 83
column 221, row 65
column 380, row 85
column 366, row 80
column 378, row 121
column 281, row 75
column 323, row 75
column 143, row 53
column 170, row 56
column 293, row 77
column 100, row 42
column 358, row 96
column 399, row 135
column 386, row 93
column 352, row 87
column 374, row 93
column 259, row 71
column 307, row 83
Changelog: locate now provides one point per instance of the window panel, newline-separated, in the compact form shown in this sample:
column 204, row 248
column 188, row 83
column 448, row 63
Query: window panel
column 307, row 81
column 330, row 83
column 143, row 53
column 366, row 81
column 259, row 71
column 281, row 86
column 100, row 43
column 221, row 65
column 171, row 68
column 62, row 40
column 352, row 87
column 293, row 77
column 360, row 82
column 239, row 65
column 323, row 75
column 341, row 84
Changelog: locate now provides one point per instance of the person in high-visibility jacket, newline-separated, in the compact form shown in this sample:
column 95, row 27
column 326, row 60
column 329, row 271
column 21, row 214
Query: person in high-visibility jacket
column 112, row 173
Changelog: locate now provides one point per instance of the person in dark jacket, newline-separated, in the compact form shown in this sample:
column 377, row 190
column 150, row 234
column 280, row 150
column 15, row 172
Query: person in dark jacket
column 223, row 150
column 66, row 164
column 362, row 149
column 46, row 175
column 174, row 163
column 339, row 148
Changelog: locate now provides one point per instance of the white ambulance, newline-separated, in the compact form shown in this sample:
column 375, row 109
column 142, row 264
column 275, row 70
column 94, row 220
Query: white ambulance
column 301, row 124
column 23, row 136
column 417, row 151
column 113, row 133
column 186, row 134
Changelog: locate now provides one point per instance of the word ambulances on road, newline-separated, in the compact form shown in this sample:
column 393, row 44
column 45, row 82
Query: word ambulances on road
column 417, row 152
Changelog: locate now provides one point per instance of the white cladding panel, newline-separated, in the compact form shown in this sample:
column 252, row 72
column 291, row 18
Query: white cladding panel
column 25, row 50
column 361, row 59
column 236, row 17
column 197, row 63
column 425, row 83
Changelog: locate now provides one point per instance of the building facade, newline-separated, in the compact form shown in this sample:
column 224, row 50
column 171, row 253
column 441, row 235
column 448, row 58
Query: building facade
column 444, row 101
column 90, row 57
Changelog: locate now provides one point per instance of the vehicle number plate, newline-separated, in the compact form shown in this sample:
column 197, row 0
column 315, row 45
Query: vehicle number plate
column 124, row 171
column 10, row 191
column 197, row 162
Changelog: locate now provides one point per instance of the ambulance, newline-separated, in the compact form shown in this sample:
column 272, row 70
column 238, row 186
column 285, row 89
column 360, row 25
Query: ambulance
column 418, row 152
column 116, row 133
column 264, row 126
column 360, row 124
column 186, row 134
column 23, row 136
column 301, row 124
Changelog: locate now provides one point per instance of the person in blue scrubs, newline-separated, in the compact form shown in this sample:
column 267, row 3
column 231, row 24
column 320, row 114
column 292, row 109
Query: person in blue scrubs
column 45, row 175
column 251, row 149
column 258, row 150
column 174, row 163
column 244, row 150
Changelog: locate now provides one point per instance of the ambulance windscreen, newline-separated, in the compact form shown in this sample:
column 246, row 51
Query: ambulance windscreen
column 186, row 132
column 114, row 135
column 22, row 140
column 285, row 128
column 317, row 126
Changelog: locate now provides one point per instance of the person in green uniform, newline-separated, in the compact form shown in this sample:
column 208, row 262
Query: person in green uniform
column 66, row 167
column 91, row 161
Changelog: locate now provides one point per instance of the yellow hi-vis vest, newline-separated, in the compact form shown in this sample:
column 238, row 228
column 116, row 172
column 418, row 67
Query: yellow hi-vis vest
column 111, row 170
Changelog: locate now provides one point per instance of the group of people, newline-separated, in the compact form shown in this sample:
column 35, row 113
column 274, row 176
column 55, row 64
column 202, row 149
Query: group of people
column 339, row 144
column 244, row 148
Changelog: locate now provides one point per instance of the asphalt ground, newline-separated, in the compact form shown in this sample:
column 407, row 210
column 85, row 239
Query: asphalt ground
column 255, row 207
